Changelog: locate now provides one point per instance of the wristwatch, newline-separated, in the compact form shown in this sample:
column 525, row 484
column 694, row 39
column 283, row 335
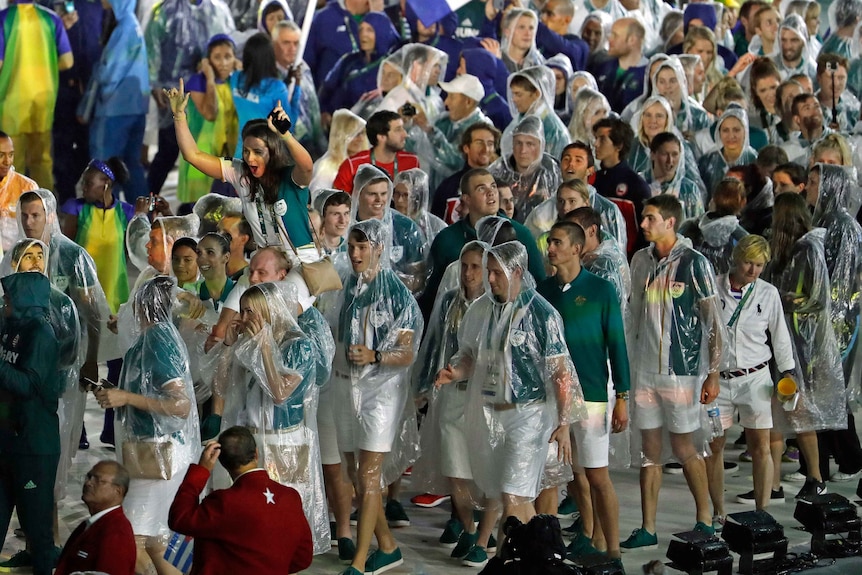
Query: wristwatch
column 624, row 395
column 378, row 357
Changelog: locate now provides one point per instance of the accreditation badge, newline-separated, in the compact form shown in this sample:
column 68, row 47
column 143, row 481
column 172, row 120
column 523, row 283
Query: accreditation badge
column 280, row 207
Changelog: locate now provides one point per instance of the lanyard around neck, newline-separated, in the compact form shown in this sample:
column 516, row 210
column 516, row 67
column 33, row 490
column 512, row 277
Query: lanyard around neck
column 394, row 164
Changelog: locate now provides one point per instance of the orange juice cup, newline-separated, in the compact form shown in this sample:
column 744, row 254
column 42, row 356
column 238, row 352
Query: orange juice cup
column 786, row 389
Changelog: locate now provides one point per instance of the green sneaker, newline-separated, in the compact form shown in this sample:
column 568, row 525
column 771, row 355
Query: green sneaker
column 639, row 539
column 20, row 559
column 492, row 545
column 466, row 542
column 380, row 562
column 351, row 571
column 580, row 546
column 704, row 528
column 618, row 563
column 476, row 557
column 567, row 507
column 572, row 530
column 395, row 515
column 346, row 550
column 451, row 533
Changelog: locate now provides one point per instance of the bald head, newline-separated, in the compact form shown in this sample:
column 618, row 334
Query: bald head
column 268, row 264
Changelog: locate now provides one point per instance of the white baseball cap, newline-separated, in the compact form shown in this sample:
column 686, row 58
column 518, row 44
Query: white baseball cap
column 466, row 84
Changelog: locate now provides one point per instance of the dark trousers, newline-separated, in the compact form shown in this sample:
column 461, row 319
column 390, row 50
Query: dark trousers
column 27, row 483
column 164, row 160
column 70, row 145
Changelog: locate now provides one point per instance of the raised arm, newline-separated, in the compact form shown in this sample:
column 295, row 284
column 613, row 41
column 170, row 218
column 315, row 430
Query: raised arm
column 207, row 163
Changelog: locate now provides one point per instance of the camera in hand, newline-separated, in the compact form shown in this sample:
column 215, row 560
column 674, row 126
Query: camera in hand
column 281, row 125
column 408, row 110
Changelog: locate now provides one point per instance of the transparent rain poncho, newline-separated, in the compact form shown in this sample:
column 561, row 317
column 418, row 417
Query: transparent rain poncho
column 406, row 247
column 639, row 103
column 165, row 437
column 173, row 228
column 605, row 20
column 841, row 13
column 715, row 237
column 273, row 390
column 673, row 332
column 533, row 57
column 344, row 128
column 563, row 109
column 805, row 292
column 443, row 428
column 608, row 261
column 421, row 66
column 416, row 182
column 371, row 403
column 843, row 250
column 535, row 184
column 691, row 116
column 796, row 24
column 522, row 383
column 556, row 135
column 63, row 317
column 211, row 208
column 713, row 165
column 586, row 105
column 580, row 77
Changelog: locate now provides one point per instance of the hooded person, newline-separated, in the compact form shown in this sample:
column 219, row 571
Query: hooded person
column 561, row 66
column 648, row 89
column 843, row 15
column 482, row 64
column 518, row 45
column 377, row 338
column 522, row 388
column 731, row 130
column 838, row 199
column 355, row 74
column 440, row 35
column 655, row 117
column 531, row 93
column 117, row 96
column 534, row 174
column 422, row 67
column 669, row 80
column 29, row 388
column 150, row 244
column 406, row 246
column 411, row 196
column 595, row 30
column 156, row 422
column 588, row 107
column 277, row 370
column 390, row 75
column 665, row 151
column 794, row 24
column 270, row 13
column 346, row 138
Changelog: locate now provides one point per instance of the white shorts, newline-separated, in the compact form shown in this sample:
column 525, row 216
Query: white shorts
column 670, row 401
column 522, row 457
column 454, row 453
column 751, row 396
column 330, row 454
column 592, row 436
column 366, row 419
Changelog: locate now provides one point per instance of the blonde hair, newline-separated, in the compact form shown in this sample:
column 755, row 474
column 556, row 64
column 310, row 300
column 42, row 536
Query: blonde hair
column 256, row 300
column 751, row 247
column 579, row 186
column 835, row 142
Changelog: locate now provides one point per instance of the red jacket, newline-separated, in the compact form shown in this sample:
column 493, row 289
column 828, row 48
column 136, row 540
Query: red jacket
column 256, row 526
column 108, row 546
column 348, row 168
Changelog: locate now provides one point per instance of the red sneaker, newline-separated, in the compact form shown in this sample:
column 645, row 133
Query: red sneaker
column 428, row 500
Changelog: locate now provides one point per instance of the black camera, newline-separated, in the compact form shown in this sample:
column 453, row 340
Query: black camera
column 408, row 110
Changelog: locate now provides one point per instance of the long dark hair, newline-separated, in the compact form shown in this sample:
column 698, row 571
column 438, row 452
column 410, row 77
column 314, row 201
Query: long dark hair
column 279, row 159
column 258, row 61
column 791, row 220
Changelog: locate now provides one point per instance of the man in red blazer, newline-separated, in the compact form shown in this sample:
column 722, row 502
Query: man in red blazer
column 104, row 542
column 256, row 526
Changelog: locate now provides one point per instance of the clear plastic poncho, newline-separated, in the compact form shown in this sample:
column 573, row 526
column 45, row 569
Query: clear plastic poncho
column 344, row 128
column 714, row 237
column 417, row 185
column 563, row 102
column 589, row 82
column 533, row 56
column 211, row 208
column 585, row 108
column 673, row 331
column 535, row 184
column 274, row 391
column 406, row 247
column 156, row 367
column 639, row 103
column 691, row 116
column 372, row 404
column 556, row 135
column 444, row 422
column 805, row 292
column 63, row 316
column 609, row 262
column 843, row 249
column 713, row 165
column 173, row 227
column 522, row 383
column 796, row 24
column 421, row 66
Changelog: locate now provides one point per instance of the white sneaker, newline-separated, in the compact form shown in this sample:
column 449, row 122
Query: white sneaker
column 839, row 476
column 794, row 477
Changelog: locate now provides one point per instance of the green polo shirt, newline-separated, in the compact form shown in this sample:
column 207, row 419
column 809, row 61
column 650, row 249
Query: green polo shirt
column 594, row 332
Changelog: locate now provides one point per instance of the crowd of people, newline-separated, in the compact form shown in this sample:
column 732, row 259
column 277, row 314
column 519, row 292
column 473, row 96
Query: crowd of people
column 510, row 250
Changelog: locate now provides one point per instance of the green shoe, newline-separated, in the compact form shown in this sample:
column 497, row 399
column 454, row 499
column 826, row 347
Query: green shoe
column 492, row 545
column 351, row 571
column 572, row 530
column 395, row 515
column 466, row 542
column 567, row 507
column 704, row 528
column 20, row 559
column 476, row 557
column 451, row 533
column 639, row 539
column 618, row 563
column 380, row 562
column 580, row 546
column 346, row 550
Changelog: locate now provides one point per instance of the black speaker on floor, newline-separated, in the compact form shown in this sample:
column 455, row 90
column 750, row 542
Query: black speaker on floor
column 830, row 514
column 597, row 564
column 751, row 533
column 695, row 553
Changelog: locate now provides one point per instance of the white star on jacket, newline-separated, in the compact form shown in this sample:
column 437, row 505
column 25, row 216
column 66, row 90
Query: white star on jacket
column 270, row 497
